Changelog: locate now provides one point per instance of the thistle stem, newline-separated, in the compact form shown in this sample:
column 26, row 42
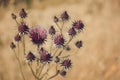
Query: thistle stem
column 20, row 66
column 53, row 75
column 24, row 44
column 41, row 69
column 33, row 72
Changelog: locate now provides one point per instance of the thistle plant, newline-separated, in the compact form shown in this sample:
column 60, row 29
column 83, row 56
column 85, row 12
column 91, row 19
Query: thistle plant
column 46, row 59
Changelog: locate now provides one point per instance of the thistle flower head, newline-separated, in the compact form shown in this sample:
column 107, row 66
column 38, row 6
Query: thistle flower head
column 38, row 35
column 78, row 44
column 45, row 56
column 78, row 25
column 52, row 30
column 72, row 32
column 22, row 13
column 66, row 63
column 59, row 40
column 30, row 56
column 23, row 28
column 64, row 16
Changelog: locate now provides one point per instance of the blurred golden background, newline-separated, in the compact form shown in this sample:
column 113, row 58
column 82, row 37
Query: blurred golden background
column 98, row 59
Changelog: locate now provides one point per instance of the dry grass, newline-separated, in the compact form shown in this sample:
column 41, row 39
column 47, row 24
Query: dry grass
column 99, row 59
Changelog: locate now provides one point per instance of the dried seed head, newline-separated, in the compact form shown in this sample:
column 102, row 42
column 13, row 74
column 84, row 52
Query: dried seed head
column 45, row 56
column 66, row 63
column 56, row 19
column 63, row 73
column 30, row 56
column 78, row 25
column 64, row 16
column 13, row 16
column 38, row 35
column 17, row 38
column 72, row 32
column 59, row 40
column 52, row 30
column 12, row 45
column 22, row 13
column 78, row 44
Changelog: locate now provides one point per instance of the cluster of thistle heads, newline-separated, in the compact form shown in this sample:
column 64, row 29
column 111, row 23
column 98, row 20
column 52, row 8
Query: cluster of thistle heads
column 39, row 36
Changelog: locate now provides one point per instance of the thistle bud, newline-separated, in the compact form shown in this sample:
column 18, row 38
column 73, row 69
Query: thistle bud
column 56, row 19
column 12, row 45
column 72, row 32
column 63, row 73
column 52, row 30
column 13, row 16
column 78, row 25
column 30, row 56
column 17, row 38
column 22, row 13
column 78, row 44
column 64, row 16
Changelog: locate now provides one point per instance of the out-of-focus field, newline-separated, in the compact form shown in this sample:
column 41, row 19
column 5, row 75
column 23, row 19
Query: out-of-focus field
column 98, row 59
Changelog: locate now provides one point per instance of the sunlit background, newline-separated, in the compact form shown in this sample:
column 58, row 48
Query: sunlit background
column 98, row 59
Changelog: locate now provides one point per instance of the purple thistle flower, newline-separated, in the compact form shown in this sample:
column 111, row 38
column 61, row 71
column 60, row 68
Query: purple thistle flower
column 78, row 44
column 30, row 56
column 13, row 16
column 56, row 19
column 38, row 35
column 17, row 38
column 23, row 28
column 52, row 30
column 12, row 45
column 63, row 73
column 22, row 13
column 59, row 40
column 78, row 25
column 64, row 16
column 72, row 32
column 66, row 63
column 45, row 56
